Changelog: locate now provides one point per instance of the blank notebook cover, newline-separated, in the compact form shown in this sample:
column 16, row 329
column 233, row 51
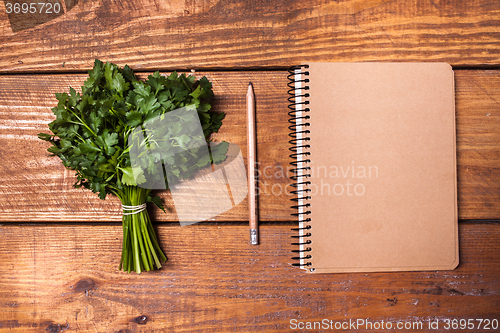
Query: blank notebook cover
column 376, row 141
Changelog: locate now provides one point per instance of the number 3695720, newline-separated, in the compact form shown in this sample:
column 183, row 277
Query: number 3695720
column 32, row 8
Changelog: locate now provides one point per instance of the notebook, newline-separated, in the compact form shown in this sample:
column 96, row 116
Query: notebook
column 374, row 167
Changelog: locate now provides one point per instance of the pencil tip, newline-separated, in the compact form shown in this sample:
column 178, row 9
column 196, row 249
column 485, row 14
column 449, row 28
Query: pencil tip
column 249, row 83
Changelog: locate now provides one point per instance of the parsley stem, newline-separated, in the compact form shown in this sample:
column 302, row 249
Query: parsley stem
column 140, row 248
column 112, row 111
column 81, row 122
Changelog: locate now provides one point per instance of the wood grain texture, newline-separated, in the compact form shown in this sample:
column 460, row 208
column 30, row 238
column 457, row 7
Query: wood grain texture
column 65, row 277
column 149, row 34
column 478, row 143
column 36, row 187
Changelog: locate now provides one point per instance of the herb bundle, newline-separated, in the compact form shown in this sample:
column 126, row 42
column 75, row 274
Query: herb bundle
column 91, row 135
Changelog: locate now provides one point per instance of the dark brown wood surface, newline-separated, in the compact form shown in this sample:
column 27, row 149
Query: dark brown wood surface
column 63, row 276
column 235, row 33
column 36, row 187
column 215, row 281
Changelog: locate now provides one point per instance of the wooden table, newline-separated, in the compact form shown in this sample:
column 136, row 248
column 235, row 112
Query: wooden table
column 60, row 246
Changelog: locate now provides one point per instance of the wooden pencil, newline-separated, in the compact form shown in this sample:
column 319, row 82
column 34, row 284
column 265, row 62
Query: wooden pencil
column 251, row 158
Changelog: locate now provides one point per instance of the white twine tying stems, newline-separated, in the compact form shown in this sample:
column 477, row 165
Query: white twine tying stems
column 133, row 209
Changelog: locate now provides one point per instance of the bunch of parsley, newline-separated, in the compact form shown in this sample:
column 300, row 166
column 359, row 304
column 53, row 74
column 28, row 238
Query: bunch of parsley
column 91, row 136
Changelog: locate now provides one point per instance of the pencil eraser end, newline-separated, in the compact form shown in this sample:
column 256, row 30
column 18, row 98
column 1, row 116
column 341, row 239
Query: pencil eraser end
column 254, row 239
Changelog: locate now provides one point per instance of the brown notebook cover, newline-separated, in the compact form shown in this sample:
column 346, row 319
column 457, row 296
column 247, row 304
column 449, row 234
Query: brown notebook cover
column 382, row 161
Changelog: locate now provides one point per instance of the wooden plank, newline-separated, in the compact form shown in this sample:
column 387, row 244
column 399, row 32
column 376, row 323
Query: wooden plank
column 35, row 186
column 478, row 143
column 65, row 277
column 200, row 34
column 38, row 188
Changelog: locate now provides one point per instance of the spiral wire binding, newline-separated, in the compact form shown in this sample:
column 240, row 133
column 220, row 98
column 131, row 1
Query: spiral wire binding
column 299, row 154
